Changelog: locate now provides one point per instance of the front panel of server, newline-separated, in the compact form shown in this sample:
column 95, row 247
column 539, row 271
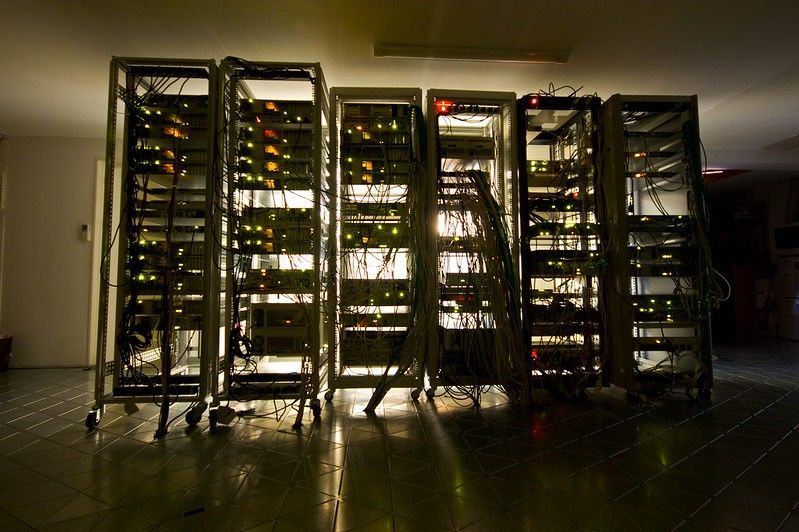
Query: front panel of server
column 562, row 260
column 376, row 174
column 159, row 231
column 478, row 319
column 274, row 195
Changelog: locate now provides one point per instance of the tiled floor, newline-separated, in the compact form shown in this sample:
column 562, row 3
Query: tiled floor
column 601, row 465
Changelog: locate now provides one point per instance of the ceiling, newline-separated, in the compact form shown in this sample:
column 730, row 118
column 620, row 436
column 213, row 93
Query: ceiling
column 742, row 60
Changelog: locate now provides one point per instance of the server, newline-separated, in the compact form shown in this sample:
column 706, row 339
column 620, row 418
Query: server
column 157, row 320
column 562, row 257
column 656, row 232
column 476, row 339
column 274, row 200
column 378, row 176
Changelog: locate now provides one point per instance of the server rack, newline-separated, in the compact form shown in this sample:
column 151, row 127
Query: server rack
column 276, row 116
column 377, row 175
column 656, row 227
column 475, row 338
column 562, row 260
column 158, row 296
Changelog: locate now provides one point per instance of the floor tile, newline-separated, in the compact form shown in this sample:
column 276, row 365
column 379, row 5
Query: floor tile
column 319, row 517
column 434, row 512
column 791, row 523
column 750, row 516
column 600, row 464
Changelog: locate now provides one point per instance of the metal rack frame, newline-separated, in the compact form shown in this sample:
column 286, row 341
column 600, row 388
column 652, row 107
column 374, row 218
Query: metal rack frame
column 658, row 296
column 562, row 263
column 447, row 360
column 301, row 178
column 394, row 174
column 133, row 173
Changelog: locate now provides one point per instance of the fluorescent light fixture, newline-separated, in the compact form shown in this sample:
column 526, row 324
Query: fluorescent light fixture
column 711, row 172
column 496, row 55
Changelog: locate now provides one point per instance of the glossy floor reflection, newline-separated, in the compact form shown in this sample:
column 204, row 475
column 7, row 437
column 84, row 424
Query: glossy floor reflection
column 434, row 465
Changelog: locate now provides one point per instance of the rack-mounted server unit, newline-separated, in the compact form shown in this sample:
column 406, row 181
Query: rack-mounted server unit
column 158, row 292
column 377, row 178
column 562, row 259
column 275, row 203
column 475, row 337
column 658, row 291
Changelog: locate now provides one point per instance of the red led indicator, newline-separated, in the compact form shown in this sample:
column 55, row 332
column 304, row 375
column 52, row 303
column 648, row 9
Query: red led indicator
column 534, row 354
column 443, row 107
column 534, row 101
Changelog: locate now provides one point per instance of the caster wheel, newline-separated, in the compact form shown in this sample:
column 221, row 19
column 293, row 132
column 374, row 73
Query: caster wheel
column 430, row 393
column 415, row 394
column 329, row 395
column 193, row 417
column 212, row 419
column 92, row 420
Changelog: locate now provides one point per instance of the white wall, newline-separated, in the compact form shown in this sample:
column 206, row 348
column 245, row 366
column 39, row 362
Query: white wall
column 46, row 276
